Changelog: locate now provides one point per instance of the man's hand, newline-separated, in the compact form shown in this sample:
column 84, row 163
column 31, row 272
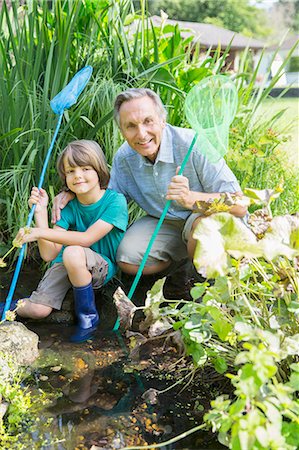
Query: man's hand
column 60, row 201
column 38, row 197
column 179, row 191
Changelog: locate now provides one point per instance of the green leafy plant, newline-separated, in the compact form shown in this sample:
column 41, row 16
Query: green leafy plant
column 264, row 413
column 16, row 399
column 243, row 323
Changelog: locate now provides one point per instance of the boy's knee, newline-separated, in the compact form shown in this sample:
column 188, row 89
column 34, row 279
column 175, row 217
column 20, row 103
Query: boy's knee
column 73, row 254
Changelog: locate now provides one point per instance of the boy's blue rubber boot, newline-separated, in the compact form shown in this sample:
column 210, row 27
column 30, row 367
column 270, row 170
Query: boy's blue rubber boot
column 12, row 307
column 86, row 313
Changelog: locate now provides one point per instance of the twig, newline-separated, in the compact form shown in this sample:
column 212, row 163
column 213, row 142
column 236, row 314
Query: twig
column 170, row 441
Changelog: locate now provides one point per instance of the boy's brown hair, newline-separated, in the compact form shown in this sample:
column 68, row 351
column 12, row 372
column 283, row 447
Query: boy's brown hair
column 85, row 153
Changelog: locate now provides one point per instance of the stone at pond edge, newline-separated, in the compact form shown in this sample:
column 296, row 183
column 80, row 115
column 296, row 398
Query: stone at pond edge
column 18, row 342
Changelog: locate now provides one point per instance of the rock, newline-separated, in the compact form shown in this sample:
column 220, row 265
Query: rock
column 18, row 342
column 3, row 409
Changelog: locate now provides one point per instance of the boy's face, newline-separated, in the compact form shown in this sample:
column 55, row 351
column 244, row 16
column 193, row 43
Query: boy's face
column 81, row 180
column 142, row 126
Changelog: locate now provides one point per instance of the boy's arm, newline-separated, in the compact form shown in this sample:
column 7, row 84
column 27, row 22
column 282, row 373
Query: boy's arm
column 47, row 250
column 64, row 237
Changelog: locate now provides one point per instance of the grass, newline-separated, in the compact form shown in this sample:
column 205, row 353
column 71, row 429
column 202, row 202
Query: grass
column 288, row 122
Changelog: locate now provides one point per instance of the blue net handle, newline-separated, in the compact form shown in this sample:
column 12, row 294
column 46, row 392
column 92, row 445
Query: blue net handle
column 64, row 100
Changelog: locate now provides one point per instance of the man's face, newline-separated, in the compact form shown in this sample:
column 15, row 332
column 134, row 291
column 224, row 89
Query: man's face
column 142, row 126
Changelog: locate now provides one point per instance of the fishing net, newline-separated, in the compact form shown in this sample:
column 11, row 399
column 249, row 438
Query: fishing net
column 210, row 108
column 69, row 95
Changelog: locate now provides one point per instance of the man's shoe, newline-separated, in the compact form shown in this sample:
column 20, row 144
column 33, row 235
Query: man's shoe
column 180, row 282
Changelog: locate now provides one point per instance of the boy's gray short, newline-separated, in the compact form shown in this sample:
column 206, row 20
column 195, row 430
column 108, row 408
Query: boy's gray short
column 169, row 244
column 55, row 283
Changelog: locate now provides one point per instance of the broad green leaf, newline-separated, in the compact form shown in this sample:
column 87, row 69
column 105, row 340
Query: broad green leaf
column 220, row 365
column 294, row 381
column 295, row 367
column 290, row 345
column 237, row 407
column 282, row 233
column 262, row 196
column 262, row 436
column 197, row 291
column 218, row 236
column 222, row 328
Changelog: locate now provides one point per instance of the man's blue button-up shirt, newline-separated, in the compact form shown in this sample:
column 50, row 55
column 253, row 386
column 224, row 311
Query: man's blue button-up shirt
column 146, row 183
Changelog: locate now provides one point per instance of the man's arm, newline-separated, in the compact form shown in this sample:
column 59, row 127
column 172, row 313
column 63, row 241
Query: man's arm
column 59, row 202
column 179, row 191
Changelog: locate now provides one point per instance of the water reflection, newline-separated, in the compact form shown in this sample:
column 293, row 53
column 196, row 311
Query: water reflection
column 97, row 398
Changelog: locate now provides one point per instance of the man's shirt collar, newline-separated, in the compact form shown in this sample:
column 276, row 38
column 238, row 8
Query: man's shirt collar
column 165, row 153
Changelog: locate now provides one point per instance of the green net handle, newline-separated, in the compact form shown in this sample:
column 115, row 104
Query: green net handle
column 156, row 231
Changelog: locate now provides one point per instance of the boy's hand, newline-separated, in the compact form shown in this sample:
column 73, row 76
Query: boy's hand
column 26, row 235
column 38, row 197
column 60, row 201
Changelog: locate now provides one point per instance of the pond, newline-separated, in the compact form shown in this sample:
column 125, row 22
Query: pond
column 89, row 396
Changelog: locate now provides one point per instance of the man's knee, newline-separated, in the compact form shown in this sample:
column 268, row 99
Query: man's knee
column 127, row 253
column 132, row 269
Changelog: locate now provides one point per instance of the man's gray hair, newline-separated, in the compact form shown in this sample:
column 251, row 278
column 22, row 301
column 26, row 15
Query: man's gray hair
column 131, row 94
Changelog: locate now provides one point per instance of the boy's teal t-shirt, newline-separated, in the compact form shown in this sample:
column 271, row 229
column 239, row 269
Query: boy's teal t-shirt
column 111, row 208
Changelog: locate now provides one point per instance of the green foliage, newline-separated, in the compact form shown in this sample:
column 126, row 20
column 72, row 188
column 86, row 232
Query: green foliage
column 18, row 399
column 264, row 414
column 255, row 154
column 256, row 295
column 294, row 64
column 241, row 17
column 43, row 44
column 244, row 322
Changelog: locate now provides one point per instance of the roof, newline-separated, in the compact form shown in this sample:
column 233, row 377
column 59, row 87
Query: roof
column 286, row 45
column 211, row 36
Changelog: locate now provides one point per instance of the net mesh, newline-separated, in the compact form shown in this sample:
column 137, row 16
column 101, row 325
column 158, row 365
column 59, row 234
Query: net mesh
column 210, row 108
column 70, row 93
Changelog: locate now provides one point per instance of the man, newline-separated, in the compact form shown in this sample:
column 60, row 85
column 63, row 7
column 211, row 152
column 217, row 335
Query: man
column 145, row 170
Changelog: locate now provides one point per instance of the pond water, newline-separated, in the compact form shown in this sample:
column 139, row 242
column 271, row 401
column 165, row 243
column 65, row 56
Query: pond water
column 94, row 396
column 89, row 396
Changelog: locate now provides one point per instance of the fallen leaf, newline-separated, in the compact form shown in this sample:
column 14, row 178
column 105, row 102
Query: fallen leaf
column 125, row 308
column 43, row 377
column 56, row 368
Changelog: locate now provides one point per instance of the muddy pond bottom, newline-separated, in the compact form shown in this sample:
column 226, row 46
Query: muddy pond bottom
column 89, row 396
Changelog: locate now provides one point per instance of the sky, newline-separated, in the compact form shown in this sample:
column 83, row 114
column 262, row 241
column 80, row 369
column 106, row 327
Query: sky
column 265, row 4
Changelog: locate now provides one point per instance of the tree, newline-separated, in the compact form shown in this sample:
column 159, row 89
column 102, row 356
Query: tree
column 236, row 15
column 290, row 12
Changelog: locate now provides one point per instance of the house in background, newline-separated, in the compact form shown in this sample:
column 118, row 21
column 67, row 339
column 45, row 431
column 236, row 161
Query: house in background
column 211, row 37
column 292, row 68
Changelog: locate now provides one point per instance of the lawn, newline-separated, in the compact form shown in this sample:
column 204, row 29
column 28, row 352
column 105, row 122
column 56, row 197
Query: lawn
column 288, row 121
